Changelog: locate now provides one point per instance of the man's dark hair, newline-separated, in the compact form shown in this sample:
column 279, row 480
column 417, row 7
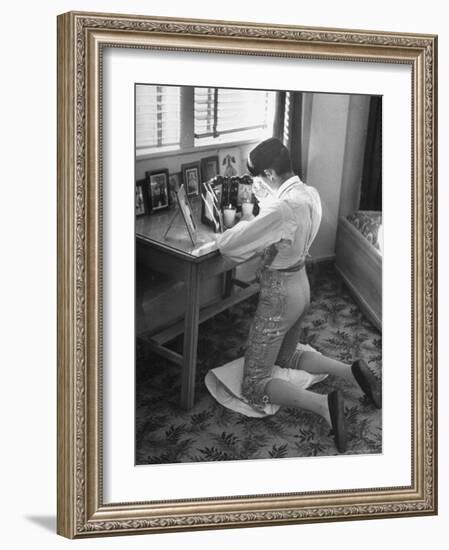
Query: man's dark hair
column 270, row 153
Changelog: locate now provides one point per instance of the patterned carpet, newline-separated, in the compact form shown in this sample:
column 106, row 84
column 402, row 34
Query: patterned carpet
column 333, row 325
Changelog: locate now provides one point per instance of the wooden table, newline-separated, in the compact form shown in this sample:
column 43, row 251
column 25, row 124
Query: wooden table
column 176, row 256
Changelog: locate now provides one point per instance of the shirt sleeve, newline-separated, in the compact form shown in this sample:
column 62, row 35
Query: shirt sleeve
column 248, row 238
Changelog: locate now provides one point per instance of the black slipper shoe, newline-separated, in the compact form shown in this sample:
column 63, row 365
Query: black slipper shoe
column 368, row 382
column 337, row 414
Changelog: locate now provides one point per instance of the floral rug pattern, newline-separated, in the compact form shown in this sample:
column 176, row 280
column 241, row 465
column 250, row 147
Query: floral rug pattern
column 334, row 325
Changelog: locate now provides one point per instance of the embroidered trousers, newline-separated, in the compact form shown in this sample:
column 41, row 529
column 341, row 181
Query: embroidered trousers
column 274, row 333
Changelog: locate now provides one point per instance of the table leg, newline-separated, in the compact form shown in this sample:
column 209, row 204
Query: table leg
column 228, row 277
column 190, row 335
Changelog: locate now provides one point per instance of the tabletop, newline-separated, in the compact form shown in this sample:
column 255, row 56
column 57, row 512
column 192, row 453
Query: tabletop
column 150, row 228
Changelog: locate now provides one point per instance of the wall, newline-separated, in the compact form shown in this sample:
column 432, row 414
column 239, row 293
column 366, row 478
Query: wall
column 334, row 138
column 28, row 275
column 325, row 163
column 357, row 126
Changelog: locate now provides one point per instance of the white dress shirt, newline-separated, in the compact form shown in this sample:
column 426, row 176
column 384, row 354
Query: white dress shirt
column 290, row 218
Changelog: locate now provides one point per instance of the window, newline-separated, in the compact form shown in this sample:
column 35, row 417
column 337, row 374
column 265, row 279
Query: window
column 221, row 112
column 172, row 117
column 157, row 117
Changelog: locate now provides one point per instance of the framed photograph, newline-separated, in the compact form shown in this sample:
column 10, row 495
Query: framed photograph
column 141, row 198
column 158, row 190
column 211, row 213
column 218, row 190
column 175, row 182
column 191, row 177
column 186, row 212
column 244, row 193
column 209, row 168
column 145, row 446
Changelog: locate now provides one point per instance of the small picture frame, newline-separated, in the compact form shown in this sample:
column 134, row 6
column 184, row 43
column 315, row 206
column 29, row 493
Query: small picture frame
column 209, row 168
column 187, row 214
column 191, row 177
column 174, row 184
column 218, row 185
column 211, row 214
column 218, row 190
column 158, row 190
column 244, row 193
column 141, row 198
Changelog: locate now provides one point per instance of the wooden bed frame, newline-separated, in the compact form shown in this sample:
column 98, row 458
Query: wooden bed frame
column 360, row 265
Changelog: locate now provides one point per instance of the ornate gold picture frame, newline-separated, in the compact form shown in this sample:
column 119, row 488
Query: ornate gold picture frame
column 82, row 510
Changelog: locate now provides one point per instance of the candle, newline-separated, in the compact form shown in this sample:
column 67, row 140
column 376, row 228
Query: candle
column 229, row 216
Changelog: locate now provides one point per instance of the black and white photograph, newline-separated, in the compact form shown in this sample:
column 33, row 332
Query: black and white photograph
column 158, row 189
column 244, row 193
column 209, row 167
column 251, row 338
column 175, row 182
column 218, row 190
column 263, row 341
column 186, row 211
column 191, row 178
column 140, row 199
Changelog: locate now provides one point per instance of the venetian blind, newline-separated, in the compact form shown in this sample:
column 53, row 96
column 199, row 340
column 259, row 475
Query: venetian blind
column 157, row 116
column 221, row 111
